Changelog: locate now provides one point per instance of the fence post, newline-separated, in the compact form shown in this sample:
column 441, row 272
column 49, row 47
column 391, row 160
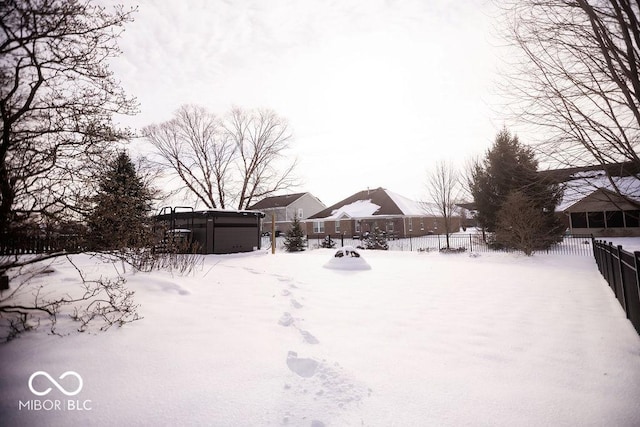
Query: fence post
column 636, row 264
column 621, row 274
column 470, row 243
column 610, row 270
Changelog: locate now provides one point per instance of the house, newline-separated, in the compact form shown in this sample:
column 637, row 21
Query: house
column 287, row 207
column 602, row 200
column 600, row 203
column 362, row 212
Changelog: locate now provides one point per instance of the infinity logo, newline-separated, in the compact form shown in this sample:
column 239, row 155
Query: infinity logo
column 55, row 383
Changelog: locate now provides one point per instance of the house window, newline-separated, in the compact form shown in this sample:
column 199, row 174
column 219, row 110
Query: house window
column 300, row 213
column 615, row 219
column 410, row 224
column 578, row 220
column 357, row 226
column 390, row 227
column 318, row 227
column 338, row 226
column 421, row 225
column 631, row 218
column 596, row 219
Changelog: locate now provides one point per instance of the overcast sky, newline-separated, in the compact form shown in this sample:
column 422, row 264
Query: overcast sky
column 375, row 91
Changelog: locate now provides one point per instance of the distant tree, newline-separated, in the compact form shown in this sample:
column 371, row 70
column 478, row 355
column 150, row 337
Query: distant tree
column 235, row 159
column 376, row 239
column 294, row 240
column 120, row 217
column 261, row 138
column 507, row 167
column 443, row 185
column 194, row 147
column 57, row 99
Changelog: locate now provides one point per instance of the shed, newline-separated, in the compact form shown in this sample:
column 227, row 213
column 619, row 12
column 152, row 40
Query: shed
column 215, row 231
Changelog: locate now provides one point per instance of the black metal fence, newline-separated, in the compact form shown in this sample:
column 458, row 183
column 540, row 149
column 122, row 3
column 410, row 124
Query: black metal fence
column 579, row 244
column 621, row 269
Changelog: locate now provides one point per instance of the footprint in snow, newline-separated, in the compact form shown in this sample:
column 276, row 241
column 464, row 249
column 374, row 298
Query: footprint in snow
column 308, row 337
column 286, row 319
column 325, row 388
column 303, row 367
column 295, row 304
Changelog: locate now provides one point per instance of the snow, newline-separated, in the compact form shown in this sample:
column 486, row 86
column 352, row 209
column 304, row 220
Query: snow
column 629, row 244
column 420, row 339
column 407, row 206
column 357, row 209
column 347, row 258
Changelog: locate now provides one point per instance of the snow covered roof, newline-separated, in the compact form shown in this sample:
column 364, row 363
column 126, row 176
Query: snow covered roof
column 582, row 184
column 407, row 206
column 357, row 209
column 370, row 203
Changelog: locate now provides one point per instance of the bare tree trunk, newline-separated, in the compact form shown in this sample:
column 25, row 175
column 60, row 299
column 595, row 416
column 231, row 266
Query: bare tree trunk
column 444, row 189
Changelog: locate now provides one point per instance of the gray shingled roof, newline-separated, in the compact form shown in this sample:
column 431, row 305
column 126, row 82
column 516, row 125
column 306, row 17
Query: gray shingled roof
column 276, row 201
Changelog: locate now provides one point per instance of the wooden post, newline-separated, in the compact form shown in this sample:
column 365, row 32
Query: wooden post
column 273, row 233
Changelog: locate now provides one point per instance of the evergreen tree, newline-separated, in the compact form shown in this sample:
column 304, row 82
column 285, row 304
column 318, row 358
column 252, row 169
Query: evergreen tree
column 519, row 224
column 120, row 217
column 510, row 167
column 376, row 240
column 294, row 240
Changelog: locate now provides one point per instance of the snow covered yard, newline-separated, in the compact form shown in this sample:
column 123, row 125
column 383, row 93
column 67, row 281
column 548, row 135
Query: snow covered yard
column 419, row 339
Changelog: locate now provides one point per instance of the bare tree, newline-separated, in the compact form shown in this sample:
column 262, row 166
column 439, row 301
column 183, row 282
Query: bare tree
column 261, row 138
column 578, row 76
column 235, row 160
column 193, row 146
column 57, row 99
column 444, row 188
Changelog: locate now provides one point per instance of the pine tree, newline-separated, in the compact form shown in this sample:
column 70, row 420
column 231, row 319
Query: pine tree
column 376, row 240
column 510, row 167
column 294, row 238
column 120, row 217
